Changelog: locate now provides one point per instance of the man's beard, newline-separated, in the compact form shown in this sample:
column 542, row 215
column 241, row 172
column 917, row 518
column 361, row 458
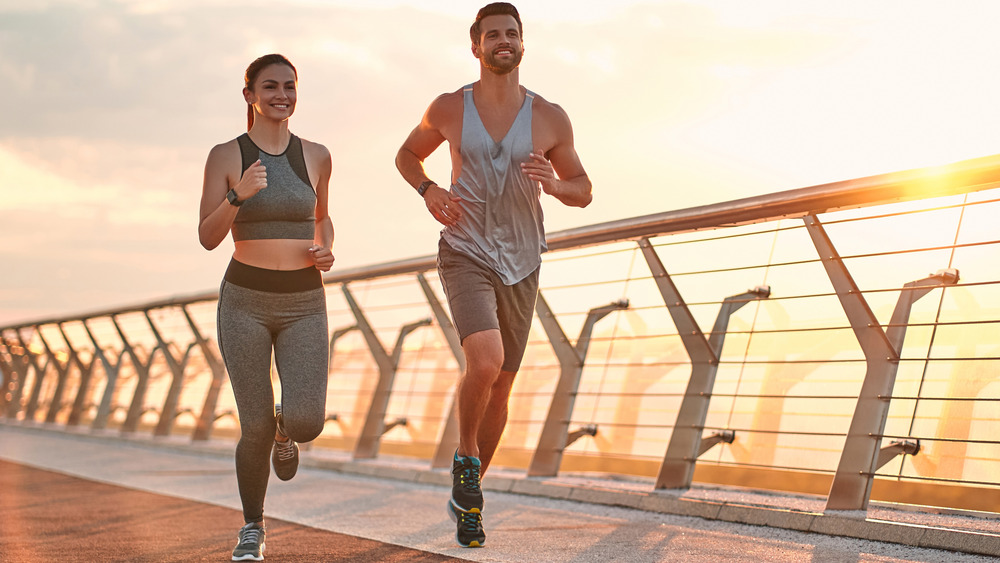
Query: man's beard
column 496, row 66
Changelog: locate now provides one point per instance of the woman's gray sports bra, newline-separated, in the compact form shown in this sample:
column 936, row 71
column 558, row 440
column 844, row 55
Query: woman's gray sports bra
column 286, row 208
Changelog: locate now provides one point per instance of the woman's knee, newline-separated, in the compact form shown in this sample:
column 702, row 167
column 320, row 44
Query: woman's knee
column 257, row 431
column 303, row 428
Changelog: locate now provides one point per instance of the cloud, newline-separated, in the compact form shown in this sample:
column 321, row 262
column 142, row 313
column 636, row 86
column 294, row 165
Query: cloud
column 673, row 104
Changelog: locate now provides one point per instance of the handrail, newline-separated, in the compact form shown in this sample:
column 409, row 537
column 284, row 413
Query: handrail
column 919, row 183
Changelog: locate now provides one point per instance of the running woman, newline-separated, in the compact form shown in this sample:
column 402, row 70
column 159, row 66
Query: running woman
column 269, row 188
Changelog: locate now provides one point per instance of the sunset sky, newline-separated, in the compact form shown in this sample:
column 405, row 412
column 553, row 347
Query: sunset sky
column 114, row 105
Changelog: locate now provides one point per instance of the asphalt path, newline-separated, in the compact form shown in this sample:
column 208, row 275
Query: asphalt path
column 62, row 496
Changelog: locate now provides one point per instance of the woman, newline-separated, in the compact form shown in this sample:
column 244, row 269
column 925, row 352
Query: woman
column 270, row 189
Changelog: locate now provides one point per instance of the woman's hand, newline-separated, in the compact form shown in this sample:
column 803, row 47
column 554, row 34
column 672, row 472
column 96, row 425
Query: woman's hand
column 321, row 257
column 253, row 181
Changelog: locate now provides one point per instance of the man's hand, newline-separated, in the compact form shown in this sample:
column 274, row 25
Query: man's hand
column 557, row 179
column 443, row 206
column 539, row 169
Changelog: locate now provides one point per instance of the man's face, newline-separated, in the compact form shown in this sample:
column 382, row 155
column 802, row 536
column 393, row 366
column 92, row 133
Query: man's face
column 500, row 48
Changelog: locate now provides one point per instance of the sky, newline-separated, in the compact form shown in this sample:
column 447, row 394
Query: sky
column 113, row 105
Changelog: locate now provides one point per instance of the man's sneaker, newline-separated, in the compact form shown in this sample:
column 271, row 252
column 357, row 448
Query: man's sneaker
column 284, row 455
column 466, row 492
column 470, row 526
column 251, row 546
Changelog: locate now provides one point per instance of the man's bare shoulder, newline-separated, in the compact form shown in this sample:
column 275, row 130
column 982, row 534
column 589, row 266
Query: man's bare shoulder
column 550, row 113
column 445, row 105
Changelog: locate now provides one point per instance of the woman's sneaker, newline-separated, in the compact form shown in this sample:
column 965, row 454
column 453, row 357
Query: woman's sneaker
column 251, row 544
column 284, row 455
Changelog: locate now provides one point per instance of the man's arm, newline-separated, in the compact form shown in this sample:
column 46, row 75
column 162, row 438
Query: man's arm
column 559, row 170
column 425, row 138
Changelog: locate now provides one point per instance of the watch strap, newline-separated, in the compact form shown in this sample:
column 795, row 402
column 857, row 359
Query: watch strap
column 422, row 188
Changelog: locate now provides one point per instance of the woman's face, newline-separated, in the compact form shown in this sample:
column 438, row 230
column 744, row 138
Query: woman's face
column 273, row 95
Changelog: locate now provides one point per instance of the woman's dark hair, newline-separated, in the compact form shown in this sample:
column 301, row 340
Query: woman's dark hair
column 494, row 9
column 254, row 69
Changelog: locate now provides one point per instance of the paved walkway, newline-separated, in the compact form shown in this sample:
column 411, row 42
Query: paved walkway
column 168, row 497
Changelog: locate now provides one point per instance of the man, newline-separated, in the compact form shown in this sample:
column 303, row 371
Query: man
column 505, row 143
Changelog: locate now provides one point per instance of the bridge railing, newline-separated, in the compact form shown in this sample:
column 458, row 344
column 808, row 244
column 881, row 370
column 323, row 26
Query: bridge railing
column 840, row 340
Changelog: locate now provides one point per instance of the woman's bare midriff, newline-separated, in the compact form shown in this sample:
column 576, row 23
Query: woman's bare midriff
column 274, row 254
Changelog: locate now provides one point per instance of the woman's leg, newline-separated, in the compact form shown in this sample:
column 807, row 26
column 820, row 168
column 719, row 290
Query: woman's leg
column 245, row 343
column 301, row 352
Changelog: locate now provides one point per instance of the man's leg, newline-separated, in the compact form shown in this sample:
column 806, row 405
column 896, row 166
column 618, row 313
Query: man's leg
column 483, row 358
column 494, row 418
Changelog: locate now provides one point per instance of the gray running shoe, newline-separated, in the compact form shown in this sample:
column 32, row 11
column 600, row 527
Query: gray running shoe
column 466, row 492
column 251, row 545
column 469, row 531
column 284, row 455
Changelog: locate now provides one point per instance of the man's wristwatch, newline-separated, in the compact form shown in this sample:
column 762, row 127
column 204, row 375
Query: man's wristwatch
column 233, row 198
column 422, row 188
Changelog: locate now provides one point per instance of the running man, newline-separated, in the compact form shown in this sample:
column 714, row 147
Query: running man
column 508, row 145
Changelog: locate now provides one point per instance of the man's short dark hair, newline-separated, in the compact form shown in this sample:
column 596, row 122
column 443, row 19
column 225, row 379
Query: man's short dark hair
column 495, row 9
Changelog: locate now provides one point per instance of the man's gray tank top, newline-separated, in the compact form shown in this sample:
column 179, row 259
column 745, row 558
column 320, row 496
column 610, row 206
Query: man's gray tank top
column 501, row 225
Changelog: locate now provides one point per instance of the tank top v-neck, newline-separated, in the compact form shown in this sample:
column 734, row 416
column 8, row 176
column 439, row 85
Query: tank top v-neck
column 501, row 225
column 286, row 208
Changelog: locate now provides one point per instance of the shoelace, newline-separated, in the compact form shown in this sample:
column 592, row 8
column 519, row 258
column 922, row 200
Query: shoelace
column 249, row 535
column 286, row 450
column 470, row 478
column 470, row 521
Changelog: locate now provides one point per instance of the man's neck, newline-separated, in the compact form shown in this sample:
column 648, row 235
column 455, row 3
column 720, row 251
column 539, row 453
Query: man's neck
column 499, row 88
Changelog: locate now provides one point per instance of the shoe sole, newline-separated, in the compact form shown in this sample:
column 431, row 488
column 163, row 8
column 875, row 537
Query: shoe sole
column 250, row 556
column 453, row 509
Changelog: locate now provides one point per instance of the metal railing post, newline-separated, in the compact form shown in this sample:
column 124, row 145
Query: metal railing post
column 449, row 435
column 62, row 374
column 36, row 387
column 555, row 432
column 137, row 406
column 86, row 374
column 686, row 441
column 851, row 492
column 374, row 426
column 206, row 420
column 860, row 458
column 13, row 383
column 111, row 380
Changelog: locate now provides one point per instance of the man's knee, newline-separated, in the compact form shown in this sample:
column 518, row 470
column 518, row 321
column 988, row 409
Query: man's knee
column 484, row 366
column 505, row 380
column 483, row 354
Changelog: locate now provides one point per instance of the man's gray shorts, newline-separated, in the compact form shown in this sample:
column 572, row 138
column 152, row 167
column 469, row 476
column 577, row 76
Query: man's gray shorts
column 479, row 300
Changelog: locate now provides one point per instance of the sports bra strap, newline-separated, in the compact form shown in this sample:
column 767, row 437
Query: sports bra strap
column 248, row 151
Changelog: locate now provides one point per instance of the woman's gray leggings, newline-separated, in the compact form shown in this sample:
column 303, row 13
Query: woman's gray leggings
column 284, row 311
